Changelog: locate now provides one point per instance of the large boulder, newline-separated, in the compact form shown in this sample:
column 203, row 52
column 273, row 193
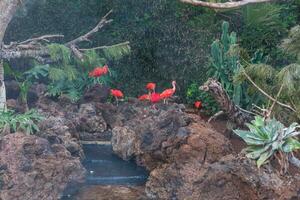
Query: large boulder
column 149, row 135
column 33, row 169
column 166, row 135
column 229, row 178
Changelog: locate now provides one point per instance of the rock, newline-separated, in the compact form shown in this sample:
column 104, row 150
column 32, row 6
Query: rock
column 91, row 124
column 59, row 130
column 97, row 93
column 112, row 193
column 11, row 104
column 229, row 178
column 35, row 169
column 124, row 142
column 149, row 135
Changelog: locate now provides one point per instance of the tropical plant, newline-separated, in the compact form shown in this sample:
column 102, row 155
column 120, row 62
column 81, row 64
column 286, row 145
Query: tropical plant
column 209, row 105
column 69, row 76
column 25, row 122
column 225, row 64
column 266, row 138
column 264, row 27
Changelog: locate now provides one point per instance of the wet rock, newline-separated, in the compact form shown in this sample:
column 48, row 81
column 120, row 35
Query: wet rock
column 124, row 142
column 35, row 169
column 112, row 193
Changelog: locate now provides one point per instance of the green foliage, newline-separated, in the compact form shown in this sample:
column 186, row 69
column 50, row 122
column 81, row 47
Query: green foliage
column 291, row 44
column 225, row 63
column 209, row 105
column 26, row 122
column 116, row 52
column 69, row 75
column 37, row 72
column 265, row 25
column 266, row 137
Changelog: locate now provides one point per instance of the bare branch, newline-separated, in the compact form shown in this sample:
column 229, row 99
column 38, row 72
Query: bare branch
column 266, row 94
column 106, row 47
column 226, row 5
column 86, row 36
column 32, row 48
column 41, row 38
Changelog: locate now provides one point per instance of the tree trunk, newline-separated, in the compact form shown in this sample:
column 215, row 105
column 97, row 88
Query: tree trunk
column 234, row 113
column 7, row 11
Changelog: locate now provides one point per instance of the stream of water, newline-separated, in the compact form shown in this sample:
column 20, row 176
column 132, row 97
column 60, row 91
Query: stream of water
column 105, row 168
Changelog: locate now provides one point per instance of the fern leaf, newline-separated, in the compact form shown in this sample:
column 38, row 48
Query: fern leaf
column 116, row 52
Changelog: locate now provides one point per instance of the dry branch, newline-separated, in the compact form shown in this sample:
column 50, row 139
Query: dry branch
column 226, row 5
column 266, row 94
column 33, row 48
column 106, row 47
column 86, row 36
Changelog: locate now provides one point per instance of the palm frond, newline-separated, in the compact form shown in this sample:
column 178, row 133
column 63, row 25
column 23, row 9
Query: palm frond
column 292, row 43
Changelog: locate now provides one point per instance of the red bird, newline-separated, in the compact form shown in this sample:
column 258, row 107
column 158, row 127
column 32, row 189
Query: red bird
column 151, row 87
column 99, row 71
column 198, row 104
column 117, row 94
column 144, row 97
column 168, row 92
column 155, row 98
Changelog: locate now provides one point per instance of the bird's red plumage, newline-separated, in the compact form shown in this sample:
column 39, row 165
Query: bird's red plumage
column 144, row 97
column 151, row 86
column 167, row 93
column 99, row 71
column 116, row 93
column 198, row 104
column 155, row 98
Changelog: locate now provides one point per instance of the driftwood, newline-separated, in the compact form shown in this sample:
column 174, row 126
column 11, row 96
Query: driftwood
column 225, row 5
column 234, row 113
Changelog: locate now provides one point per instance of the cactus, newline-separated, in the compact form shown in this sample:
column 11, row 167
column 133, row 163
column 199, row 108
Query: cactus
column 225, row 62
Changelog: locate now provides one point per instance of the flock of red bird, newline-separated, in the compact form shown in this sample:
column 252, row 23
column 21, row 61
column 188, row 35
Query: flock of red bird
column 152, row 96
column 155, row 97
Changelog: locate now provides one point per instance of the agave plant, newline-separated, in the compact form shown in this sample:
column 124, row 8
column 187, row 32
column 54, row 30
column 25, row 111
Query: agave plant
column 266, row 138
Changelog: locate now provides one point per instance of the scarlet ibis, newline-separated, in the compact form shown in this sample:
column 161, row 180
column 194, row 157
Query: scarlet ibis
column 155, row 98
column 168, row 92
column 117, row 94
column 198, row 104
column 151, row 87
column 99, row 71
column 144, row 97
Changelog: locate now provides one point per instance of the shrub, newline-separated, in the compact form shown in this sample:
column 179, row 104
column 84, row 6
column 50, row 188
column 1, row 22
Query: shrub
column 265, row 138
column 209, row 105
column 25, row 122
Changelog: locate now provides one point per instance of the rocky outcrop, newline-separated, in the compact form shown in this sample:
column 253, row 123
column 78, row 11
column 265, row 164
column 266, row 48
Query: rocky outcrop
column 97, row 93
column 33, row 169
column 59, row 130
column 154, row 137
column 229, row 178
column 188, row 159
column 90, row 124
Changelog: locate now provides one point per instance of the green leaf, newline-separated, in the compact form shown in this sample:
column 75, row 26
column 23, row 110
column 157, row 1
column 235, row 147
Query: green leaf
column 291, row 145
column 264, row 157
